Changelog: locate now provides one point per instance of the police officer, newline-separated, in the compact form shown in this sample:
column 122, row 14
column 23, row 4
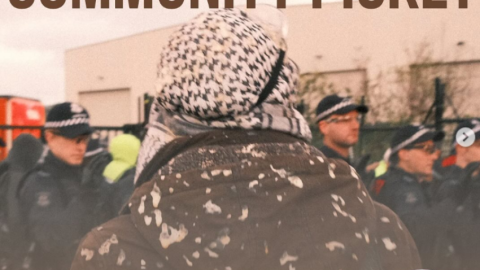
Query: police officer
column 406, row 189
column 411, row 156
column 460, row 181
column 456, row 168
column 59, row 209
column 338, row 119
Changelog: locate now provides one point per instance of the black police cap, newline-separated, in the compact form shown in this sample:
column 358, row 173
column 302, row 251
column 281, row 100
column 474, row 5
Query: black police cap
column 334, row 104
column 70, row 119
column 411, row 135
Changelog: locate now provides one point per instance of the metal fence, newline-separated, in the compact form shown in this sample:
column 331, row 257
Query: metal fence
column 374, row 140
column 103, row 133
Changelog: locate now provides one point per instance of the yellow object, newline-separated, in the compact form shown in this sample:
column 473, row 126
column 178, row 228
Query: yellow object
column 381, row 168
column 124, row 149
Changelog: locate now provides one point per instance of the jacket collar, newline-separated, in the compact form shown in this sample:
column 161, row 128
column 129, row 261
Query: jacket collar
column 406, row 176
column 330, row 153
column 55, row 166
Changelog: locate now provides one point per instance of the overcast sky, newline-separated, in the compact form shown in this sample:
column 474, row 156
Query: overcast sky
column 33, row 40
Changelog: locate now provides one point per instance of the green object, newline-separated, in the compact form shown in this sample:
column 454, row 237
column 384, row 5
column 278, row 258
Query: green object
column 124, row 149
column 381, row 168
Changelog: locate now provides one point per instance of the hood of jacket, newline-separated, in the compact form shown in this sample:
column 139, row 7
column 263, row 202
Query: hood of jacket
column 124, row 149
column 26, row 151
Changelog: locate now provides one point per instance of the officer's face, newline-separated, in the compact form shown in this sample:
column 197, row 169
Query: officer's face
column 420, row 159
column 473, row 152
column 71, row 151
column 342, row 129
column 467, row 155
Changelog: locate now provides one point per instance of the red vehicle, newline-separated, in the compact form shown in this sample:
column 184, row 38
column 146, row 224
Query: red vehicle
column 19, row 111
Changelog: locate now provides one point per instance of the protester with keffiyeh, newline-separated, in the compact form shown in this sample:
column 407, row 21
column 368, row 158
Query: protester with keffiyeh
column 226, row 178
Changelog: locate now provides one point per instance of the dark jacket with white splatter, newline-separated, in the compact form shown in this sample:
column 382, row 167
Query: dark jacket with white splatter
column 426, row 219
column 250, row 200
column 58, row 211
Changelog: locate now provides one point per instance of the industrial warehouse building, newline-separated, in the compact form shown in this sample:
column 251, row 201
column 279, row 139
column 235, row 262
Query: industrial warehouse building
column 357, row 51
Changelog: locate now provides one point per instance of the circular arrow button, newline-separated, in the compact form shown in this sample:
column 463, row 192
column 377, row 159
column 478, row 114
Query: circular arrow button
column 465, row 137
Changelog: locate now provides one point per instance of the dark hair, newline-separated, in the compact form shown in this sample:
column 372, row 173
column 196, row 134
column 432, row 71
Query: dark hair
column 53, row 130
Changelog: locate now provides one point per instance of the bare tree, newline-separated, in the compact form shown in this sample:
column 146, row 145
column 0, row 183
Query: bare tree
column 416, row 80
column 402, row 94
column 313, row 87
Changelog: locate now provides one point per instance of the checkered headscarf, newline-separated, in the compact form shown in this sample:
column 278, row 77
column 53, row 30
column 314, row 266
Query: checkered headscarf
column 211, row 74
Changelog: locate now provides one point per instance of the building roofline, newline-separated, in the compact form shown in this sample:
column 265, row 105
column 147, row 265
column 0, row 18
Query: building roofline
column 173, row 26
column 124, row 37
column 20, row 97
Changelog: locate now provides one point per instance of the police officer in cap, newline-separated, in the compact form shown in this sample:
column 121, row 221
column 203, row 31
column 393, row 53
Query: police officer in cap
column 338, row 119
column 59, row 209
column 460, row 182
column 406, row 188
column 458, row 167
column 411, row 156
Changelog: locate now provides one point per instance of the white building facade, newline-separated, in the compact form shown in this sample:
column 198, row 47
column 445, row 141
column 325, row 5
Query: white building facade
column 354, row 51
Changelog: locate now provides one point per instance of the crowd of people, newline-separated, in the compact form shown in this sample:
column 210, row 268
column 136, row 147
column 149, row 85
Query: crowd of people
column 226, row 177
column 437, row 198
column 52, row 195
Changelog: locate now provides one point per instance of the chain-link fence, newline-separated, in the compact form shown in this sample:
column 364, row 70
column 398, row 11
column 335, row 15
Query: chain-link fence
column 374, row 140
column 103, row 133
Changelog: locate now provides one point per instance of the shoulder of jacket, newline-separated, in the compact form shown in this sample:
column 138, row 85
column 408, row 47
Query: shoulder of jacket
column 90, row 254
column 107, row 246
column 36, row 180
column 399, row 176
column 38, row 175
column 390, row 182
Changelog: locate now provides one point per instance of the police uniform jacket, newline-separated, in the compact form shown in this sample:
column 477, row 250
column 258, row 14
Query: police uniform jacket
column 330, row 153
column 462, row 185
column 58, row 211
column 413, row 202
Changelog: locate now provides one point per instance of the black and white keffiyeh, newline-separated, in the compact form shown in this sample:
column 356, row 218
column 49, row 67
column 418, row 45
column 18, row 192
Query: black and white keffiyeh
column 211, row 74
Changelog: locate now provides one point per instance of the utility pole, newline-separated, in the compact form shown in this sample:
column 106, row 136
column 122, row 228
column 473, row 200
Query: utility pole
column 439, row 103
